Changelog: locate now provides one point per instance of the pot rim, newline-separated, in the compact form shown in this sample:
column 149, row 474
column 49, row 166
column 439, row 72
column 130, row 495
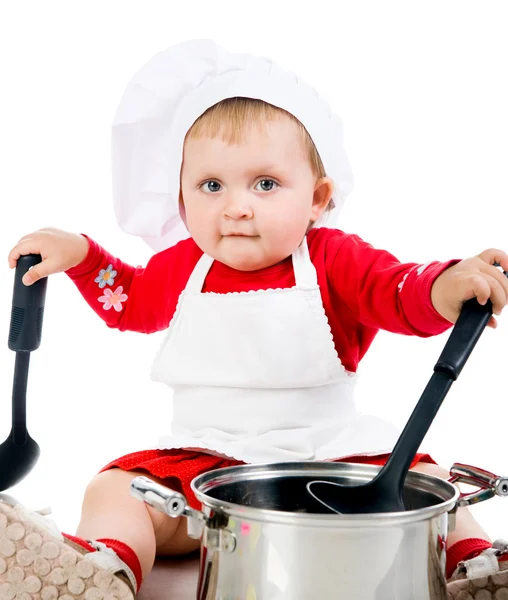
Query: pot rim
column 205, row 482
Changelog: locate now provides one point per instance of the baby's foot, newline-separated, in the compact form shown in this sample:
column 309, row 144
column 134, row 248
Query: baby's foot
column 37, row 561
column 484, row 577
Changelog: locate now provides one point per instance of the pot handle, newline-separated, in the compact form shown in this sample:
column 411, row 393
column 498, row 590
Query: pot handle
column 490, row 484
column 171, row 503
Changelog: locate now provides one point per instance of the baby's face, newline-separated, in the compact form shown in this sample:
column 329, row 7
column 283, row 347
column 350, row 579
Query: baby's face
column 249, row 205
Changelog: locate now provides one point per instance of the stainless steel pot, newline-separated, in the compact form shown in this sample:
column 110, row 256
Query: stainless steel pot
column 265, row 538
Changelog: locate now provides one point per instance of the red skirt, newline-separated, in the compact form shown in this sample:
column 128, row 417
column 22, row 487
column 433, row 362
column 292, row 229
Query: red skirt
column 177, row 468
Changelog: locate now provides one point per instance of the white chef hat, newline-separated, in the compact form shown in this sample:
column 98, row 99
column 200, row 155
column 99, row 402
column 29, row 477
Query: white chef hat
column 164, row 99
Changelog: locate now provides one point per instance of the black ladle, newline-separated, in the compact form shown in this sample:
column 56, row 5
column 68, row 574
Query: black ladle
column 384, row 492
column 19, row 452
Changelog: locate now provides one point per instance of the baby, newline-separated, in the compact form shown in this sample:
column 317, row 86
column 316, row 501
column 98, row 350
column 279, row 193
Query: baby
column 267, row 312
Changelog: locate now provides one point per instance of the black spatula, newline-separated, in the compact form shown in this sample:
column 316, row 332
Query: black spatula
column 19, row 452
column 384, row 492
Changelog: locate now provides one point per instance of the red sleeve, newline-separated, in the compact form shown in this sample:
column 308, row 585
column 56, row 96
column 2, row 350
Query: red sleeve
column 383, row 293
column 135, row 298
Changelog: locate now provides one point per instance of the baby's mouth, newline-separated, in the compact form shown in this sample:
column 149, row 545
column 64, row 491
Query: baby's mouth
column 238, row 234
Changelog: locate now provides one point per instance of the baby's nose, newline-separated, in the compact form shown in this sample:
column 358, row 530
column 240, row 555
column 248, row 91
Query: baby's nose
column 237, row 207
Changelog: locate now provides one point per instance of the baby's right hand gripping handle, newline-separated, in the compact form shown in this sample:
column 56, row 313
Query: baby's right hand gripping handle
column 27, row 307
column 473, row 319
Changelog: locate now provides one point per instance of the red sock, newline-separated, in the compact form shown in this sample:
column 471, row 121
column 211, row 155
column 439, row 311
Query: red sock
column 464, row 550
column 124, row 552
column 127, row 554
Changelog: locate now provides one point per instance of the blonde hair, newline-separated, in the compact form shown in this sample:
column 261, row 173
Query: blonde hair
column 228, row 118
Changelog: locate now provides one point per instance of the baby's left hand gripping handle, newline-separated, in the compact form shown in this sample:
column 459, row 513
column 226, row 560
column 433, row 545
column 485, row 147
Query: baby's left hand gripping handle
column 27, row 307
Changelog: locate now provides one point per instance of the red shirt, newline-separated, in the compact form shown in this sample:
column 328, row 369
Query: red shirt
column 363, row 289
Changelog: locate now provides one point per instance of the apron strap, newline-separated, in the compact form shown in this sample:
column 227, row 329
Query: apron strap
column 196, row 281
column 305, row 272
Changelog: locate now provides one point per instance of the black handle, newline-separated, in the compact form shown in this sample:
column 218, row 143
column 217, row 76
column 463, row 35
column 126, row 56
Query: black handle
column 472, row 321
column 19, row 431
column 27, row 307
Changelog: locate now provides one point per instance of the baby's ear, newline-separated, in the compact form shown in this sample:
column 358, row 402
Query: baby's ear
column 323, row 191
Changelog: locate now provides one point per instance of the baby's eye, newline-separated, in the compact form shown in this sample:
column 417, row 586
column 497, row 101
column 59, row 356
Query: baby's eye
column 266, row 185
column 210, row 186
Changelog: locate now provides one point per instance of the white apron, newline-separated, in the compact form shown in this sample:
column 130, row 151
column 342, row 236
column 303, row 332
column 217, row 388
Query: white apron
column 256, row 376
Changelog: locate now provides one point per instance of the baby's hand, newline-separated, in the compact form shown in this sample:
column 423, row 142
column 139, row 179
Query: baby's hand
column 60, row 250
column 472, row 277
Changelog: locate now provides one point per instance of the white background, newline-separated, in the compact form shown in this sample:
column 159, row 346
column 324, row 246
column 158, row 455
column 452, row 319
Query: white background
column 421, row 88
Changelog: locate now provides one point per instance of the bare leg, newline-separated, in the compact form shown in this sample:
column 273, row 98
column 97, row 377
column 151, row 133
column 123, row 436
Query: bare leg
column 466, row 525
column 109, row 511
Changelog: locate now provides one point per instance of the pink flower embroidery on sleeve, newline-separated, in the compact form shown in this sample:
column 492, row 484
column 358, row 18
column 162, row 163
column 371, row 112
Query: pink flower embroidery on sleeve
column 113, row 299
